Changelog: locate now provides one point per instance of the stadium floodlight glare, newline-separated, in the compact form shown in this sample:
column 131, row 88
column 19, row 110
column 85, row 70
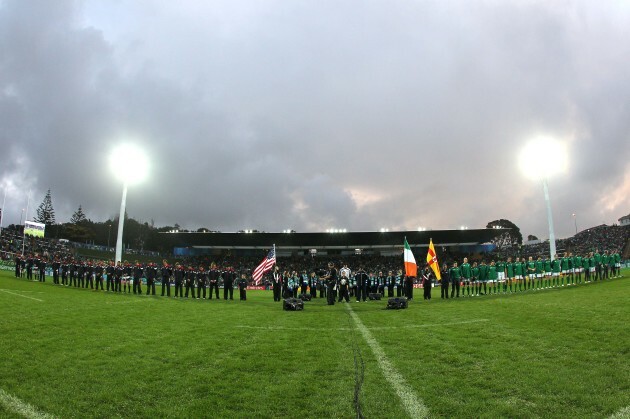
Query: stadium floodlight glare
column 130, row 165
column 541, row 158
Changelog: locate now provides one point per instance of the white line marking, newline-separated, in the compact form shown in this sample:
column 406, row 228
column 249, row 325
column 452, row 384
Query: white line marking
column 20, row 295
column 21, row 408
column 622, row 414
column 412, row 403
column 343, row 329
column 11, row 289
column 126, row 302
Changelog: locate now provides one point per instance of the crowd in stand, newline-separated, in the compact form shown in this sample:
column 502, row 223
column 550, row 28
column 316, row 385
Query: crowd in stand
column 12, row 243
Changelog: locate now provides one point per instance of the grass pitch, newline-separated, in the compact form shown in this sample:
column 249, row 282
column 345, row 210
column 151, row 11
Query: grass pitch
column 80, row 353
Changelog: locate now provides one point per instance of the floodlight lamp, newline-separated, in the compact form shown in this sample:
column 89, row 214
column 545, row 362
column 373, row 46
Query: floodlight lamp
column 543, row 157
column 129, row 164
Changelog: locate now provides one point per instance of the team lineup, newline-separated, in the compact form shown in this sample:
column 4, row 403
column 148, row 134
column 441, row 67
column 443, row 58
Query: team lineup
column 335, row 285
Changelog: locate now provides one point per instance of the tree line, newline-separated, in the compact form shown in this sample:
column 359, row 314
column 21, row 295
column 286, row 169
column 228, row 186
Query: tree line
column 137, row 234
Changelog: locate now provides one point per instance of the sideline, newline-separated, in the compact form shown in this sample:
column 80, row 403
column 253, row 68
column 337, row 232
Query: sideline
column 20, row 295
column 413, row 405
column 17, row 406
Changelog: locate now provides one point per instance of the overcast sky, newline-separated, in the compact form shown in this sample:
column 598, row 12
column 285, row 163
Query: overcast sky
column 317, row 114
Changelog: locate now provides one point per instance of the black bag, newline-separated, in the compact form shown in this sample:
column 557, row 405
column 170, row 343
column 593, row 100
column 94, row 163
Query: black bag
column 293, row 304
column 305, row 297
column 397, row 303
column 374, row 296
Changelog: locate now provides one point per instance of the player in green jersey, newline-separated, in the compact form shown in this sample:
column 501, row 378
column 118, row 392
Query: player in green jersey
column 591, row 267
column 475, row 279
column 492, row 277
column 518, row 275
column 501, row 275
column 456, row 276
column 531, row 273
column 540, row 268
column 617, row 260
column 466, row 276
column 577, row 269
column 597, row 259
column 483, row 277
column 547, row 274
column 509, row 268
column 605, row 261
column 555, row 272
column 564, row 269
column 586, row 263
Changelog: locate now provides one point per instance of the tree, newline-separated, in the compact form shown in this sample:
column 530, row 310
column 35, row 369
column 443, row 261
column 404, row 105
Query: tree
column 511, row 237
column 78, row 217
column 45, row 211
column 531, row 237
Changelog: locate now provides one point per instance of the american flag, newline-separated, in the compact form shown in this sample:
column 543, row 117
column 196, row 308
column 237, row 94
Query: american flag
column 266, row 264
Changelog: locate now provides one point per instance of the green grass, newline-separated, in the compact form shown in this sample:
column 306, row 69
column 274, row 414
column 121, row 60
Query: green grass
column 80, row 353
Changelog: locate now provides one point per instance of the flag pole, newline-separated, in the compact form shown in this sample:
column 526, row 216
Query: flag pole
column 28, row 202
column 274, row 252
column 4, row 200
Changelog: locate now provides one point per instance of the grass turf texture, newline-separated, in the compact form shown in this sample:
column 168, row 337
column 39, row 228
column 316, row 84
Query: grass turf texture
column 80, row 353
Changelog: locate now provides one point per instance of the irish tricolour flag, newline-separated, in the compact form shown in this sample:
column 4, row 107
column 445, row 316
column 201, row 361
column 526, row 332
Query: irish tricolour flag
column 411, row 268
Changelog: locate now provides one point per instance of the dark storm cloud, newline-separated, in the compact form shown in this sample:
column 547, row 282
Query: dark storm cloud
column 310, row 115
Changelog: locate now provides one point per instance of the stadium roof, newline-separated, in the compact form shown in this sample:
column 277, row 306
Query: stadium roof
column 350, row 240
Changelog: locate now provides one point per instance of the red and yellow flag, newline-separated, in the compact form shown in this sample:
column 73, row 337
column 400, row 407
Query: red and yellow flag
column 432, row 260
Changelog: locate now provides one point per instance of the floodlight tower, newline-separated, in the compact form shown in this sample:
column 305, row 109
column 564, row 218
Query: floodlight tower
column 540, row 159
column 129, row 165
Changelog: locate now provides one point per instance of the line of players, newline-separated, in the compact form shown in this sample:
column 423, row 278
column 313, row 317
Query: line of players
column 516, row 276
column 197, row 281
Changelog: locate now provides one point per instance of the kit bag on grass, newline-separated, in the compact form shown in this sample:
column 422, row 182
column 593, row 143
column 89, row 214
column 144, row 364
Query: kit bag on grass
column 397, row 303
column 293, row 304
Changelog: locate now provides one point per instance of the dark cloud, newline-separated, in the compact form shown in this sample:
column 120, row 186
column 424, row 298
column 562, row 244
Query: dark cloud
column 357, row 115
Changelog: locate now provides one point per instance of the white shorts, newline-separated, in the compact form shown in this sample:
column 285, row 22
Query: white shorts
column 532, row 276
column 565, row 271
column 539, row 275
column 592, row 269
column 518, row 276
column 501, row 276
column 618, row 265
column 555, row 274
column 547, row 274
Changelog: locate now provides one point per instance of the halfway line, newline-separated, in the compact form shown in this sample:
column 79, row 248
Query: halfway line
column 21, row 408
column 20, row 295
column 412, row 404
